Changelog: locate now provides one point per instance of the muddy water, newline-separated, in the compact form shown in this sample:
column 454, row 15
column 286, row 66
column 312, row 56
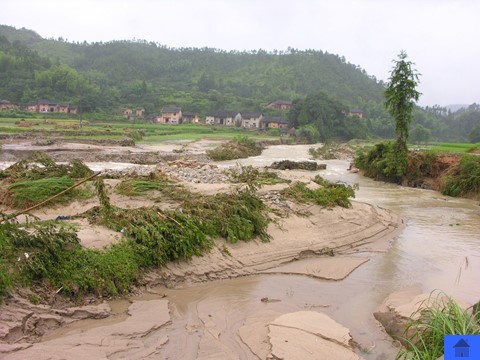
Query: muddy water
column 439, row 248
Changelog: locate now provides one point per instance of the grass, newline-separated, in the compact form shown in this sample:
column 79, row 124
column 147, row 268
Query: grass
column 327, row 195
column 24, row 194
column 440, row 316
column 137, row 187
column 464, row 180
column 117, row 129
column 453, row 147
column 38, row 178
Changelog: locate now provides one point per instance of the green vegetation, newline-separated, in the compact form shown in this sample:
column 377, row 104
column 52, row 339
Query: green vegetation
column 319, row 117
column 24, row 194
column 442, row 317
column 253, row 178
column 239, row 148
column 104, row 78
column 49, row 255
column 453, row 147
column 328, row 194
column 400, row 97
column 38, row 178
column 464, row 180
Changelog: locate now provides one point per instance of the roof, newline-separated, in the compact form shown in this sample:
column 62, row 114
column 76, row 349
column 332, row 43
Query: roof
column 274, row 119
column 188, row 113
column 250, row 114
column 46, row 102
column 222, row 113
column 356, row 111
column 5, row 102
column 171, row 110
column 462, row 344
column 282, row 102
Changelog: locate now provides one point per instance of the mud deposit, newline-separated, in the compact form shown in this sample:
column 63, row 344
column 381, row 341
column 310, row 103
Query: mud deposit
column 287, row 298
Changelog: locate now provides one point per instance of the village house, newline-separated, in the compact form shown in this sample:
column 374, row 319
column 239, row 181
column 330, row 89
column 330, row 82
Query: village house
column 7, row 105
column 127, row 112
column 356, row 112
column 140, row 112
column 32, row 107
column 47, row 106
column 251, row 120
column 189, row 117
column 222, row 117
column 274, row 122
column 63, row 108
column 170, row 115
column 279, row 105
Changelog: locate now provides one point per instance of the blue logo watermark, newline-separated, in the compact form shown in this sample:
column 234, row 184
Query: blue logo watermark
column 461, row 347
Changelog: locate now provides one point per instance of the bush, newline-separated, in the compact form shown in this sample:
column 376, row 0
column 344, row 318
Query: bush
column 382, row 162
column 464, row 181
column 239, row 148
column 328, row 194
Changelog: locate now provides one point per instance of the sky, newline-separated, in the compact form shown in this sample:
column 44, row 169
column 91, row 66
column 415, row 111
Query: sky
column 441, row 37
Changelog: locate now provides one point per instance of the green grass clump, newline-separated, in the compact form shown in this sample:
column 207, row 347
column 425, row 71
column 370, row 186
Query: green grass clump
column 24, row 194
column 442, row 317
column 240, row 147
column 249, row 175
column 465, row 180
column 328, row 194
column 233, row 216
column 137, row 187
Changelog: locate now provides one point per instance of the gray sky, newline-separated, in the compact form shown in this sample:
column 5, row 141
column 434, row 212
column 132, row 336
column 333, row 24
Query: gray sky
column 442, row 37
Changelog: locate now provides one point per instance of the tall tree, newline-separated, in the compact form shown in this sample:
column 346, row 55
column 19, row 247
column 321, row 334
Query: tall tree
column 400, row 97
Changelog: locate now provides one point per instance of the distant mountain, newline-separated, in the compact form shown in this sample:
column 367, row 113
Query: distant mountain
column 456, row 107
column 141, row 73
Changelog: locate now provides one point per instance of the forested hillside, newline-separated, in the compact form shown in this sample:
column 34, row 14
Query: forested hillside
column 107, row 77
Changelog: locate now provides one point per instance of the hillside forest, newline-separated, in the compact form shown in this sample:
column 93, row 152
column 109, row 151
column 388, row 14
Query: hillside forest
column 104, row 78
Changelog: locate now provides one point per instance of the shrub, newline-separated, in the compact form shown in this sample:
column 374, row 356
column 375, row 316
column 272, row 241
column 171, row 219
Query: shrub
column 465, row 180
column 328, row 195
column 240, row 147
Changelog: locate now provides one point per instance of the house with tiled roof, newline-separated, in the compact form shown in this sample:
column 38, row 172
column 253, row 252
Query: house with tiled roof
column 251, row 120
column 223, row 117
column 279, row 105
column 170, row 115
column 7, row 105
column 273, row 122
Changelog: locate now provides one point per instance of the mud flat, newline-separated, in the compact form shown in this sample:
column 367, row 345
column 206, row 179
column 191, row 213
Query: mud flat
column 325, row 244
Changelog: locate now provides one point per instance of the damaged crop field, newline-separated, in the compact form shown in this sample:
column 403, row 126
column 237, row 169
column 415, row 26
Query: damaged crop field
column 47, row 255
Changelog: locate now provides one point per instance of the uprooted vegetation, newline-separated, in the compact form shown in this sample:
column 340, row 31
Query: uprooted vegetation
column 240, row 147
column 328, row 194
column 297, row 165
column 38, row 178
column 48, row 255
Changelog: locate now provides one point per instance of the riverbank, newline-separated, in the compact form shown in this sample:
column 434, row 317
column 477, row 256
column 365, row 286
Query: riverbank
column 301, row 245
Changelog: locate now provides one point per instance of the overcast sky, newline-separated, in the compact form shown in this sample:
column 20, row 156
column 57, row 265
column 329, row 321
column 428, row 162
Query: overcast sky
column 442, row 37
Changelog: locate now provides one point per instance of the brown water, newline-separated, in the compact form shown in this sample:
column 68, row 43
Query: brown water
column 440, row 239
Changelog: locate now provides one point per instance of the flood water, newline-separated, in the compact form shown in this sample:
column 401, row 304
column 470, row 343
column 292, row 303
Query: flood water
column 439, row 249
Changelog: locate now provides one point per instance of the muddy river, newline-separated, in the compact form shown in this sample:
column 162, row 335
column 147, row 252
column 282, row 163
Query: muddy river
column 439, row 249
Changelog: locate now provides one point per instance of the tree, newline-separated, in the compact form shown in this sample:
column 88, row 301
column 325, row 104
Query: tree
column 400, row 96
